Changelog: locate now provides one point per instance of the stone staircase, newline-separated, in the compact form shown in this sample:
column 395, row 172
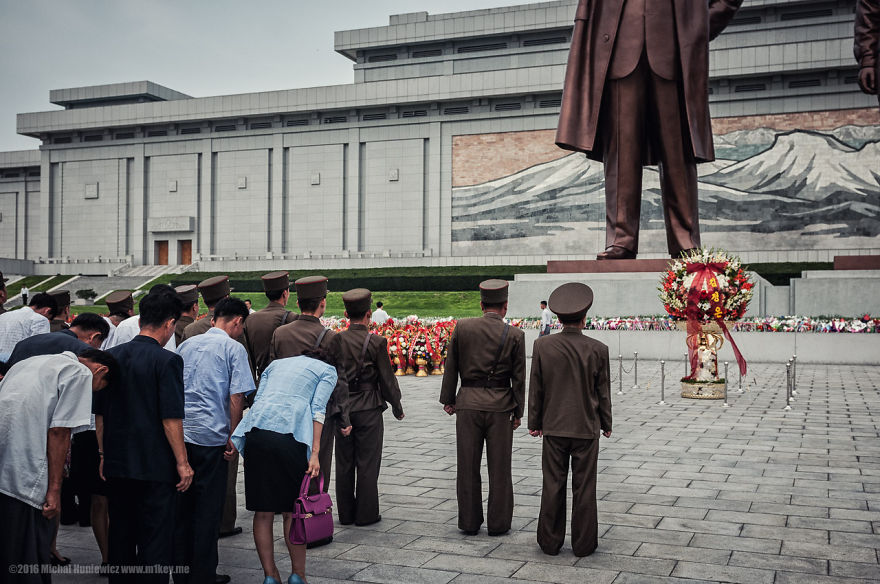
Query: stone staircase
column 150, row 271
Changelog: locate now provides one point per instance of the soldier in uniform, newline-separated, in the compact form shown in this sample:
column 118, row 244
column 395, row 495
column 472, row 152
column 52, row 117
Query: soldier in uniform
column 59, row 323
column 120, row 306
column 307, row 333
column 261, row 325
column 371, row 384
column 569, row 405
column 3, row 295
column 490, row 358
column 213, row 291
column 189, row 295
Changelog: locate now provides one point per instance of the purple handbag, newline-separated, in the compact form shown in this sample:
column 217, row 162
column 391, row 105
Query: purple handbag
column 312, row 514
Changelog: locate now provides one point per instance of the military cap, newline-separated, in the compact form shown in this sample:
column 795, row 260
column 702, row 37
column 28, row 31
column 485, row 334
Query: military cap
column 120, row 301
column 276, row 281
column 357, row 301
column 493, row 291
column 214, row 289
column 62, row 297
column 189, row 293
column 311, row 287
column 571, row 301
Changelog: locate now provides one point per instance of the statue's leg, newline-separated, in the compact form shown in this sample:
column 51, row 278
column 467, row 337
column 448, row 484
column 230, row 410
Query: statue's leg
column 623, row 132
column 678, row 168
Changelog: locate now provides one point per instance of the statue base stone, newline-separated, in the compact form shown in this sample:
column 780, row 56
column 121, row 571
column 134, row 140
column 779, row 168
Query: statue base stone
column 703, row 389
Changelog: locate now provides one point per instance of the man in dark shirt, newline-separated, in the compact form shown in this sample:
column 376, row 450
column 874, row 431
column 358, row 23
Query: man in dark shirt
column 87, row 331
column 140, row 430
column 371, row 386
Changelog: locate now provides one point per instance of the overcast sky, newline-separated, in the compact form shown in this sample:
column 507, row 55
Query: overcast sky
column 198, row 47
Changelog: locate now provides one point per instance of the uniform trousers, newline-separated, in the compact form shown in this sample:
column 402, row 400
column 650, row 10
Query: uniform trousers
column 555, row 456
column 141, row 528
column 198, row 515
column 472, row 429
column 230, row 503
column 638, row 110
column 358, row 460
column 24, row 540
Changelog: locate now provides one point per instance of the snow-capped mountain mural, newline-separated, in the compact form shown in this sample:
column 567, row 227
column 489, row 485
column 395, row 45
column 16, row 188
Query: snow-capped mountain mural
column 795, row 190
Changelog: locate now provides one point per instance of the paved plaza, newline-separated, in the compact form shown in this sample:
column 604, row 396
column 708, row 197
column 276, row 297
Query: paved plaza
column 689, row 492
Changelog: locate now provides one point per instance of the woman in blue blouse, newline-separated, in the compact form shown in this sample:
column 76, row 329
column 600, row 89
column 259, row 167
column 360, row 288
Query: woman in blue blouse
column 279, row 438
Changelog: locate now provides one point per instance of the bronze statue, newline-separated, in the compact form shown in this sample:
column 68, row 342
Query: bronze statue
column 867, row 44
column 636, row 93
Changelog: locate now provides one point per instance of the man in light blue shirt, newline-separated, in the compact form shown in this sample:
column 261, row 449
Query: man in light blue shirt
column 216, row 375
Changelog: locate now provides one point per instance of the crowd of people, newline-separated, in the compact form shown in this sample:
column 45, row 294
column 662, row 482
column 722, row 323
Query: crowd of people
column 153, row 410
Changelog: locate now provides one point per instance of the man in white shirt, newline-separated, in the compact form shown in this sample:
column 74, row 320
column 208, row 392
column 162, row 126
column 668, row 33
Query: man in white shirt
column 43, row 400
column 25, row 322
column 380, row 316
column 120, row 305
column 546, row 319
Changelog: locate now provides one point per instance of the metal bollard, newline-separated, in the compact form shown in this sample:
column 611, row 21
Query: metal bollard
column 740, row 380
column 726, row 405
column 791, row 391
column 620, row 375
column 662, row 383
column 787, row 387
column 794, row 375
column 686, row 363
column 635, row 370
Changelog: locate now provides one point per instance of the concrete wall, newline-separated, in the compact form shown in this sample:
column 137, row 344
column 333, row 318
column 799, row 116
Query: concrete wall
column 839, row 292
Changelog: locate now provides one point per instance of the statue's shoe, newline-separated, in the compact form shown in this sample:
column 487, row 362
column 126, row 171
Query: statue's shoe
column 616, row 253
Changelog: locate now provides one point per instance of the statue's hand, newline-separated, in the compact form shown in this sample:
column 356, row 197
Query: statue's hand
column 868, row 80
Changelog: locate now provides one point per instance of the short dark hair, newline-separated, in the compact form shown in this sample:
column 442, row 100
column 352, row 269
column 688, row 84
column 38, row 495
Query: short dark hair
column 378, row 305
column 189, row 306
column 156, row 289
column 309, row 305
column 544, row 302
column 274, row 295
column 493, row 305
column 567, row 322
column 230, row 308
column 321, row 355
column 356, row 315
column 89, row 321
column 106, row 359
column 43, row 300
column 157, row 307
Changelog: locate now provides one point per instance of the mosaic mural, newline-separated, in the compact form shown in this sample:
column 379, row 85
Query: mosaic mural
column 769, row 189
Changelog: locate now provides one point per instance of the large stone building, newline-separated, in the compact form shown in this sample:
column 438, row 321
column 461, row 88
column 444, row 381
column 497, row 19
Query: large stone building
column 441, row 153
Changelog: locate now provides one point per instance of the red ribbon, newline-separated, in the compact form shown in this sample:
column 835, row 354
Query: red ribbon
column 706, row 273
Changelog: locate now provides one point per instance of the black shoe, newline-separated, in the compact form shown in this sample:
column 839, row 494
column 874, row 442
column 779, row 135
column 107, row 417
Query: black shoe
column 319, row 543
column 222, row 578
column 497, row 533
column 470, row 531
column 364, row 524
column 231, row 532
column 550, row 552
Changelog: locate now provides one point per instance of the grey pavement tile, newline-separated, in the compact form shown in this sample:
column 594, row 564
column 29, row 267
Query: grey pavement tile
column 533, row 553
column 855, row 569
column 535, row 572
column 750, row 517
column 798, row 510
column 383, row 574
column 479, row 579
column 700, row 526
column 472, row 565
column 746, row 544
column 386, row 555
column 668, row 511
column 684, row 553
column 837, row 503
column 723, row 573
column 627, row 578
column 831, row 552
column 817, row 536
column 800, row 578
column 635, row 565
column 649, row 535
column 831, row 524
column 710, row 503
column 855, row 515
column 779, row 562
column 466, row 547
column 426, row 515
column 334, row 568
column 366, row 537
column 629, row 519
column 844, row 538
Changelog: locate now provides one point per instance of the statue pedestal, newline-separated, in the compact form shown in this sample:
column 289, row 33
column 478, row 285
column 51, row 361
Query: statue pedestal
column 606, row 266
column 703, row 389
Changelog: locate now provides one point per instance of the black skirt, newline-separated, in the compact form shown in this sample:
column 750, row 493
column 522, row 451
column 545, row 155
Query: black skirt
column 274, row 467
